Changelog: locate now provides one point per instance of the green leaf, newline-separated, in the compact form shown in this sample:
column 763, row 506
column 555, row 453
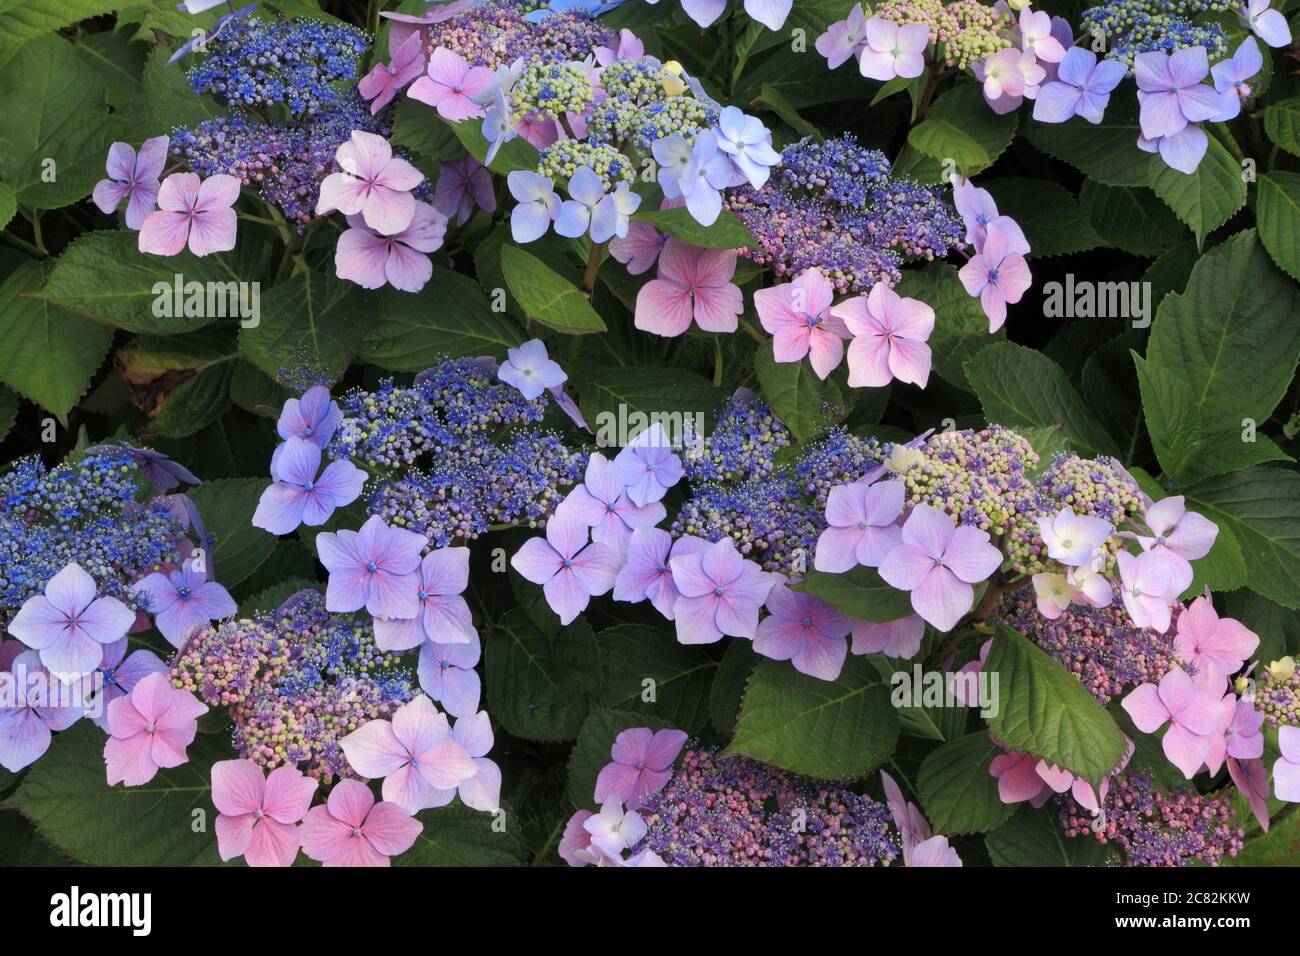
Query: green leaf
column 8, row 205
column 118, row 62
column 728, row 690
column 1110, row 386
column 1170, row 272
column 915, row 88
column 799, row 75
column 21, row 845
column 1182, row 445
column 160, row 16
column 538, row 683
column 914, row 164
column 806, row 404
column 831, row 730
column 309, row 319
column 620, row 401
column 238, row 549
column 928, row 716
column 1106, row 152
column 104, row 275
column 591, row 752
column 1279, row 847
column 1208, row 197
column 961, row 329
column 419, row 129
column 1022, row 387
column 1033, row 837
column 631, row 654
column 545, row 295
column 1129, row 219
column 957, row 792
column 8, row 415
column 49, row 354
column 727, row 232
column 1222, row 351
column 459, row 836
column 270, row 600
column 860, row 593
column 1043, row 710
column 1050, row 216
column 24, row 20
column 54, row 145
column 1277, row 627
column 961, row 127
column 196, row 402
column 169, row 100
column 1282, row 124
column 449, row 316
column 1046, row 443
column 1261, row 507
column 772, row 98
column 1278, row 210
column 514, row 155
column 187, row 377
column 66, row 795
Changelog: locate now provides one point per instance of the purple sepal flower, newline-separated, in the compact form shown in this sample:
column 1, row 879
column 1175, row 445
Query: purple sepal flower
column 313, row 417
column 299, row 495
column 118, row 677
column 444, row 616
column 447, row 675
column 68, row 625
column 529, row 369
column 26, row 718
column 161, row 471
column 649, row 465
column 374, row 568
column 601, row 503
column 570, row 570
column 1082, row 88
column 183, row 600
column 721, row 593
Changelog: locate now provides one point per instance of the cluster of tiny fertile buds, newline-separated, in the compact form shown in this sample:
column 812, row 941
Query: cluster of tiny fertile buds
column 662, row 807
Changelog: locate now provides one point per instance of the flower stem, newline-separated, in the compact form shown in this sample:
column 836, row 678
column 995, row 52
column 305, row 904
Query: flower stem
column 24, row 245
column 36, row 233
column 372, row 27
column 593, row 267
column 927, row 96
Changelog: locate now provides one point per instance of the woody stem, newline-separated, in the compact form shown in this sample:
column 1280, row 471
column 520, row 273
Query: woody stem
column 593, row 266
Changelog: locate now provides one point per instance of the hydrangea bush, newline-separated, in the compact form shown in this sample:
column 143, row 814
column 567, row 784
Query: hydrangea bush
column 779, row 433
